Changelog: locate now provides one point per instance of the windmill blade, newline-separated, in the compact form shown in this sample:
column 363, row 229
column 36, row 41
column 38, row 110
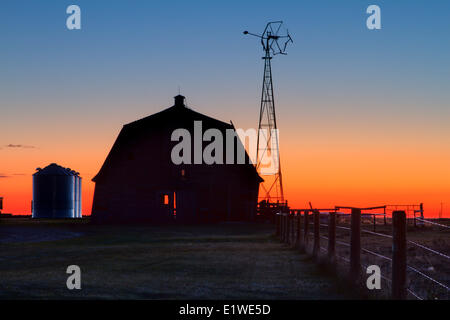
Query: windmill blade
column 270, row 29
column 271, row 45
column 265, row 29
column 279, row 27
column 285, row 45
column 287, row 42
column 289, row 36
column 279, row 49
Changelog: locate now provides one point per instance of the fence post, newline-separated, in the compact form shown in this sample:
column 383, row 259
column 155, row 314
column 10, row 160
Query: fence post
column 332, row 236
column 284, row 227
column 374, row 223
column 291, row 229
column 277, row 221
column 421, row 213
column 287, row 228
column 385, row 222
column 306, row 228
column 316, row 247
column 399, row 255
column 355, row 244
column 299, row 231
column 281, row 226
column 421, row 224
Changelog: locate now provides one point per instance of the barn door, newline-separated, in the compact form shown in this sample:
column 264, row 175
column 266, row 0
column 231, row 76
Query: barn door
column 186, row 206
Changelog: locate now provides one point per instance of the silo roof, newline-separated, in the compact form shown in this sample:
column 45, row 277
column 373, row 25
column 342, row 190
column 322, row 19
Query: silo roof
column 54, row 170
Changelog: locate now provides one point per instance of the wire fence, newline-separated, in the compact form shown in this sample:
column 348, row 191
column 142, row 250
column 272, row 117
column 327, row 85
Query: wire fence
column 300, row 225
column 433, row 223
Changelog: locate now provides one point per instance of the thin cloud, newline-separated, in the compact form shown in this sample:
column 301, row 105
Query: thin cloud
column 3, row 175
column 23, row 146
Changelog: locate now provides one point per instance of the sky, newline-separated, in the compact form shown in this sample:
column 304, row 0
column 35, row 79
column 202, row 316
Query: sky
column 364, row 115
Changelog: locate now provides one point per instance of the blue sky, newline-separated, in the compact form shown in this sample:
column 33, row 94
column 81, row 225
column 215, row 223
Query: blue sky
column 134, row 49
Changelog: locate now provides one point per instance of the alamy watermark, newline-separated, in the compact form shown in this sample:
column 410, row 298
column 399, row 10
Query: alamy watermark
column 73, row 21
column 226, row 149
column 374, row 280
column 373, row 22
column 74, row 280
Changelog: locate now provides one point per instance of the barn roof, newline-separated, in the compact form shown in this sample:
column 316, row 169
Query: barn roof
column 172, row 117
column 178, row 111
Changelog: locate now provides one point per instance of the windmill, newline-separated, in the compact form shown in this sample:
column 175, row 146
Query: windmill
column 267, row 150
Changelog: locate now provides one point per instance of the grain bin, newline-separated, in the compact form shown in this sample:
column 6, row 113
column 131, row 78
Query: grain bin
column 55, row 192
column 77, row 191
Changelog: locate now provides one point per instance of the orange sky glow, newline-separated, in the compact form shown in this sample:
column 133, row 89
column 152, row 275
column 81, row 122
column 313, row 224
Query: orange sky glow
column 328, row 170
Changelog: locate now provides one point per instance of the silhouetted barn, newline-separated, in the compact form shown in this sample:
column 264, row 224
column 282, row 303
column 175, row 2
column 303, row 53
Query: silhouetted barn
column 139, row 181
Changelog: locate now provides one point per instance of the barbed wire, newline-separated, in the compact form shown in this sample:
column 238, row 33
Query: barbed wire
column 428, row 277
column 431, row 222
column 343, row 258
column 376, row 254
column 414, row 294
column 343, row 243
column 376, row 233
column 429, row 249
column 345, row 228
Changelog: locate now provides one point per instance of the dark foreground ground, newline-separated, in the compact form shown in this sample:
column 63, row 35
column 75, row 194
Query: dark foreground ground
column 229, row 261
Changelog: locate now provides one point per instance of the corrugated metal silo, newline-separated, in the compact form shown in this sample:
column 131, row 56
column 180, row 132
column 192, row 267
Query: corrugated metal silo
column 54, row 193
column 77, row 191
column 80, row 202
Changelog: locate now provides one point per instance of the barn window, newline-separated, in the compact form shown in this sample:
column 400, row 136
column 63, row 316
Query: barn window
column 166, row 199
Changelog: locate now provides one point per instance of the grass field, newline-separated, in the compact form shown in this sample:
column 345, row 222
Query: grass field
column 228, row 261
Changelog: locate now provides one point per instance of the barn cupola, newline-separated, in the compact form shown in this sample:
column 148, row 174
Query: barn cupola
column 179, row 101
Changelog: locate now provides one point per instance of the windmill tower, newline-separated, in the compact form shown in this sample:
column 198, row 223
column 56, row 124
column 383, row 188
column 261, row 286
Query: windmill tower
column 267, row 150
